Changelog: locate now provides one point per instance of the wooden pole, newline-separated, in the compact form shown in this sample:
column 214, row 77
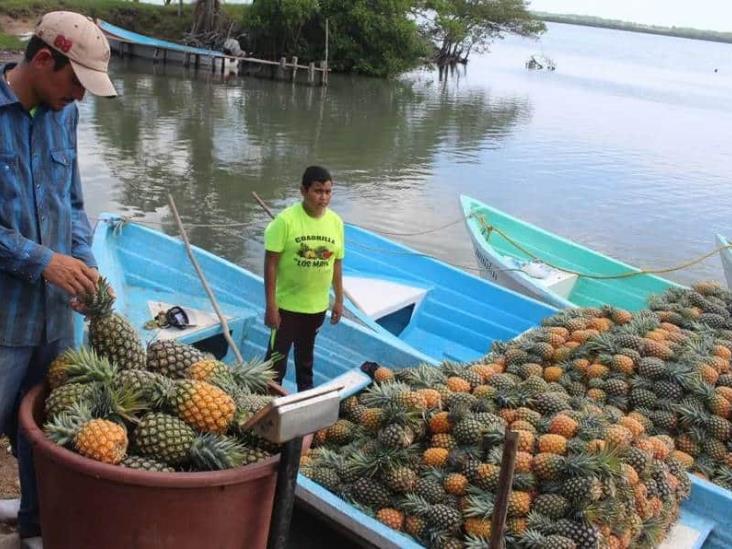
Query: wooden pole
column 294, row 68
column 326, row 41
column 211, row 296
column 503, row 491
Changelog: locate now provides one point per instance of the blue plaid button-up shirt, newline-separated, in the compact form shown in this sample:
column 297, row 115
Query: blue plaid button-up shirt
column 41, row 212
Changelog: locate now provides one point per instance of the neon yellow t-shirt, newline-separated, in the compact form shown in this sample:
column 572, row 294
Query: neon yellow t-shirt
column 309, row 248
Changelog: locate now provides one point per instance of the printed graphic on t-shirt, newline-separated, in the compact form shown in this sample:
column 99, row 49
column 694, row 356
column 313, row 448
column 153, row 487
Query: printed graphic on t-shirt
column 313, row 251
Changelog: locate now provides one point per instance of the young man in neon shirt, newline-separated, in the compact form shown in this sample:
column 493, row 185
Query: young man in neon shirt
column 304, row 250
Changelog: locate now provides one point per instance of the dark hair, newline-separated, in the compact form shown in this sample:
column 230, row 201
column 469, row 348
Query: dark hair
column 35, row 45
column 315, row 174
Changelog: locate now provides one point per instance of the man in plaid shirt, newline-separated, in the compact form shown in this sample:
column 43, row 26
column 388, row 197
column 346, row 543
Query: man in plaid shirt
column 45, row 237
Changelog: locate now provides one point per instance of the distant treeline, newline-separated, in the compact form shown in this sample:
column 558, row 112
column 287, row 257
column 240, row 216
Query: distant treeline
column 681, row 32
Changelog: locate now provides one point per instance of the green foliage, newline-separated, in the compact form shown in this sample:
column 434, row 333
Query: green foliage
column 462, row 26
column 682, row 32
column 10, row 42
column 276, row 26
column 373, row 37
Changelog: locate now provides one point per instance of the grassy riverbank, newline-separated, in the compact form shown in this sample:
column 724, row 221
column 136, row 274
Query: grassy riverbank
column 159, row 21
column 679, row 32
column 9, row 42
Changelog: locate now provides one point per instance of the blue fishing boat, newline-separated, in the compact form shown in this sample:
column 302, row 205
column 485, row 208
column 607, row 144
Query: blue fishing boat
column 150, row 272
column 560, row 272
column 431, row 306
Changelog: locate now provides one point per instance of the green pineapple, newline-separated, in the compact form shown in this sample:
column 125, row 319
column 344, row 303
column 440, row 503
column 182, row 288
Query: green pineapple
column 651, row 367
column 371, row 492
column 171, row 359
column 554, row 506
column 172, row 441
column 143, row 463
column 64, row 397
column 400, row 479
column 584, row 535
column 430, row 489
column 111, row 335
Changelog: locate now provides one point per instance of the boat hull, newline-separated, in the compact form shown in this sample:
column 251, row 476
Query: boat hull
column 558, row 271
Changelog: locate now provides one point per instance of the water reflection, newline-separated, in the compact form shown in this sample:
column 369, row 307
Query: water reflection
column 211, row 142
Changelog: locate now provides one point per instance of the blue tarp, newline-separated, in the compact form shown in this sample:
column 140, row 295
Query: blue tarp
column 143, row 40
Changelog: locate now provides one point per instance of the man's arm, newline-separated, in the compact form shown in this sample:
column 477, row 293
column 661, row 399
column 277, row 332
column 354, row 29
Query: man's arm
column 272, row 313
column 81, row 233
column 337, row 311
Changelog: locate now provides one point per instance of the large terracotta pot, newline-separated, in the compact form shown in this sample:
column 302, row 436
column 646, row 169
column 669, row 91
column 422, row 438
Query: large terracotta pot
column 86, row 504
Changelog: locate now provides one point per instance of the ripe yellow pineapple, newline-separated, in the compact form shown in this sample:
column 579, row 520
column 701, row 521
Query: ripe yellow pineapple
column 201, row 405
column 393, row 518
column 435, row 457
column 95, row 438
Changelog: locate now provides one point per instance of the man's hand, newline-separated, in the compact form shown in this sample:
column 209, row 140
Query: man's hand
column 336, row 313
column 272, row 317
column 71, row 275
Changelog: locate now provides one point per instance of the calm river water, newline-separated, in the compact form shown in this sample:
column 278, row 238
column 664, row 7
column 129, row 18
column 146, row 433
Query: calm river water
column 626, row 148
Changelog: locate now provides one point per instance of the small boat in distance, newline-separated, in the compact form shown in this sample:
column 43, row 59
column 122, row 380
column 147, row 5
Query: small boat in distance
column 546, row 266
column 540, row 62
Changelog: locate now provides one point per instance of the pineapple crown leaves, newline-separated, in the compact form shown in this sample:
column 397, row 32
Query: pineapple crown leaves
column 605, row 463
column 479, row 504
column 119, row 404
column 476, row 542
column 64, row 426
column 255, row 375
column 692, row 414
column 539, row 523
column 101, row 302
column 423, row 376
column 533, row 539
column 602, row 343
column 383, row 459
column 414, row 504
column 84, row 365
column 642, row 323
column 212, row 452
column 379, row 396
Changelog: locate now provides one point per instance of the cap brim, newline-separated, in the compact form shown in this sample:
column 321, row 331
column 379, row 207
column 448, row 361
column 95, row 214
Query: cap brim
column 97, row 82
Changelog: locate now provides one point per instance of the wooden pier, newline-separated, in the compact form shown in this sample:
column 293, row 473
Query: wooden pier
column 126, row 43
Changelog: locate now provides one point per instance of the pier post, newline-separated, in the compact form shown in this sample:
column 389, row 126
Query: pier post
column 155, row 55
column 187, row 60
column 197, row 61
column 294, row 67
column 324, row 74
column 311, row 73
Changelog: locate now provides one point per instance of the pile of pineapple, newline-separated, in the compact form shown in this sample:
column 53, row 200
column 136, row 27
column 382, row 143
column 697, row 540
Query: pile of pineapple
column 167, row 407
column 667, row 367
column 421, row 451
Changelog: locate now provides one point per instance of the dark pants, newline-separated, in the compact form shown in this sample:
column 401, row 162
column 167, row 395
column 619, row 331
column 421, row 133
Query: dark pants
column 20, row 369
column 300, row 329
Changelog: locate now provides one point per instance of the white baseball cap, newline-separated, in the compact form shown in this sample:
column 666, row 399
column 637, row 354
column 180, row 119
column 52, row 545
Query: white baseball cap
column 80, row 39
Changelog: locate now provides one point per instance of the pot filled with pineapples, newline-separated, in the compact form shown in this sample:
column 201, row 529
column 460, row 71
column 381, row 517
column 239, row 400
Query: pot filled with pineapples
column 143, row 447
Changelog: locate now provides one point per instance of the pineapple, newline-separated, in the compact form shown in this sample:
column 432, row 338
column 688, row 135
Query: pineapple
column 95, row 438
column 393, row 518
column 111, row 335
column 171, row 359
column 201, row 405
column 64, row 397
column 172, row 441
column 371, row 492
column 143, row 463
